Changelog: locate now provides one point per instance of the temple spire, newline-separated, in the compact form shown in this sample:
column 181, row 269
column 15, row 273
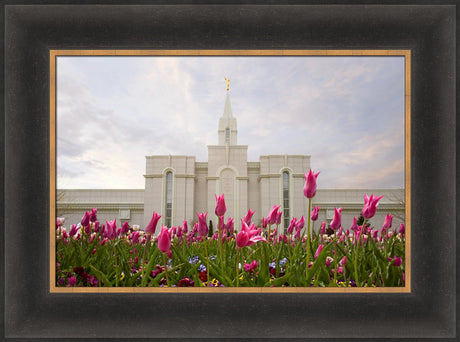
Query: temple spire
column 227, row 123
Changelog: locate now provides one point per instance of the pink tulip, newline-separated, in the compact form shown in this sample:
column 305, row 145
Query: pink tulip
column 322, row 230
column 242, row 239
column 309, row 189
column 388, row 221
column 278, row 217
column 152, row 226
column 396, row 261
column 111, row 231
column 337, row 220
column 135, row 237
column 343, row 262
column 297, row 233
column 93, row 215
column 370, row 206
column 125, row 227
column 230, row 225
column 402, row 228
column 248, row 236
column 250, row 267
column 73, row 230
column 291, row 227
column 318, row 251
column 96, row 226
column 374, row 234
column 314, row 214
column 300, row 223
column 185, row 227
column 60, row 221
column 248, row 217
column 221, row 208
column 354, row 225
column 85, row 219
column 202, row 225
column 164, row 240
column 264, row 222
column 273, row 214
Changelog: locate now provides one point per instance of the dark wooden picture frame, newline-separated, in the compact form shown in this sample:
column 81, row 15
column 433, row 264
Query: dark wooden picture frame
column 32, row 312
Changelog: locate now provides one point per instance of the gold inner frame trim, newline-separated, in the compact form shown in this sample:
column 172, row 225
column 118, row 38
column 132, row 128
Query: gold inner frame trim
column 184, row 53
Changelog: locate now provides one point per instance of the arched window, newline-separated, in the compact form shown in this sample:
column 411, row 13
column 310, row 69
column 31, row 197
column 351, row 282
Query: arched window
column 286, row 199
column 227, row 135
column 168, row 199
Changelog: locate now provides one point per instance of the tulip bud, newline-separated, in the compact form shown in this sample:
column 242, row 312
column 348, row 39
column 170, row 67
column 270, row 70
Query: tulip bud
column 309, row 189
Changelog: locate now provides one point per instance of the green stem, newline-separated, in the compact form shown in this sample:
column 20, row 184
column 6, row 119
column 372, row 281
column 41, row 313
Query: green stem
column 335, row 263
column 207, row 260
column 143, row 256
column 308, row 239
column 116, row 264
column 238, row 268
column 221, row 244
column 166, row 269
column 357, row 252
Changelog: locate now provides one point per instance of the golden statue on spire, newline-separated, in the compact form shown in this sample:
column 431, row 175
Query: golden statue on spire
column 228, row 81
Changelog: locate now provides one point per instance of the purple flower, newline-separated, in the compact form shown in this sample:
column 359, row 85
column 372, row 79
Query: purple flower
column 337, row 220
column 152, row 226
column 221, row 208
column 371, row 204
column 186, row 282
column 71, row 281
column 309, row 189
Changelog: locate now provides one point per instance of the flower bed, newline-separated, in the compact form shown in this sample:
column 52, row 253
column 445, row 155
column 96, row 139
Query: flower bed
column 91, row 254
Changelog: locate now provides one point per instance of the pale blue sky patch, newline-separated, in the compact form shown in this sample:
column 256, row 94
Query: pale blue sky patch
column 346, row 112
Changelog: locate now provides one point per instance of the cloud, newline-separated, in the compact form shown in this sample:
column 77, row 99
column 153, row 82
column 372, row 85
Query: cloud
column 345, row 112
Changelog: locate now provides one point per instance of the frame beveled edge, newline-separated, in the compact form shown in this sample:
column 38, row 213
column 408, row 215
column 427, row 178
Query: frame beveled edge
column 54, row 53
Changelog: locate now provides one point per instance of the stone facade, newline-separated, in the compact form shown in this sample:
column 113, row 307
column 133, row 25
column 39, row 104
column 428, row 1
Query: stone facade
column 179, row 187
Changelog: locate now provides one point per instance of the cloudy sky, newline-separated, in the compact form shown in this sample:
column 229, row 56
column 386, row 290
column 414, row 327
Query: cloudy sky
column 346, row 112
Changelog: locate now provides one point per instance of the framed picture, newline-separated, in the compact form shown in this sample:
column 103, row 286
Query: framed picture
column 34, row 34
column 169, row 91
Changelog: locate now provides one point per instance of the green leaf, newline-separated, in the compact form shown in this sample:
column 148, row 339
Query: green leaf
column 278, row 281
column 149, row 267
column 102, row 276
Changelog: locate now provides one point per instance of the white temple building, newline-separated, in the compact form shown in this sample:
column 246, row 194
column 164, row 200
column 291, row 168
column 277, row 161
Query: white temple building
column 178, row 187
